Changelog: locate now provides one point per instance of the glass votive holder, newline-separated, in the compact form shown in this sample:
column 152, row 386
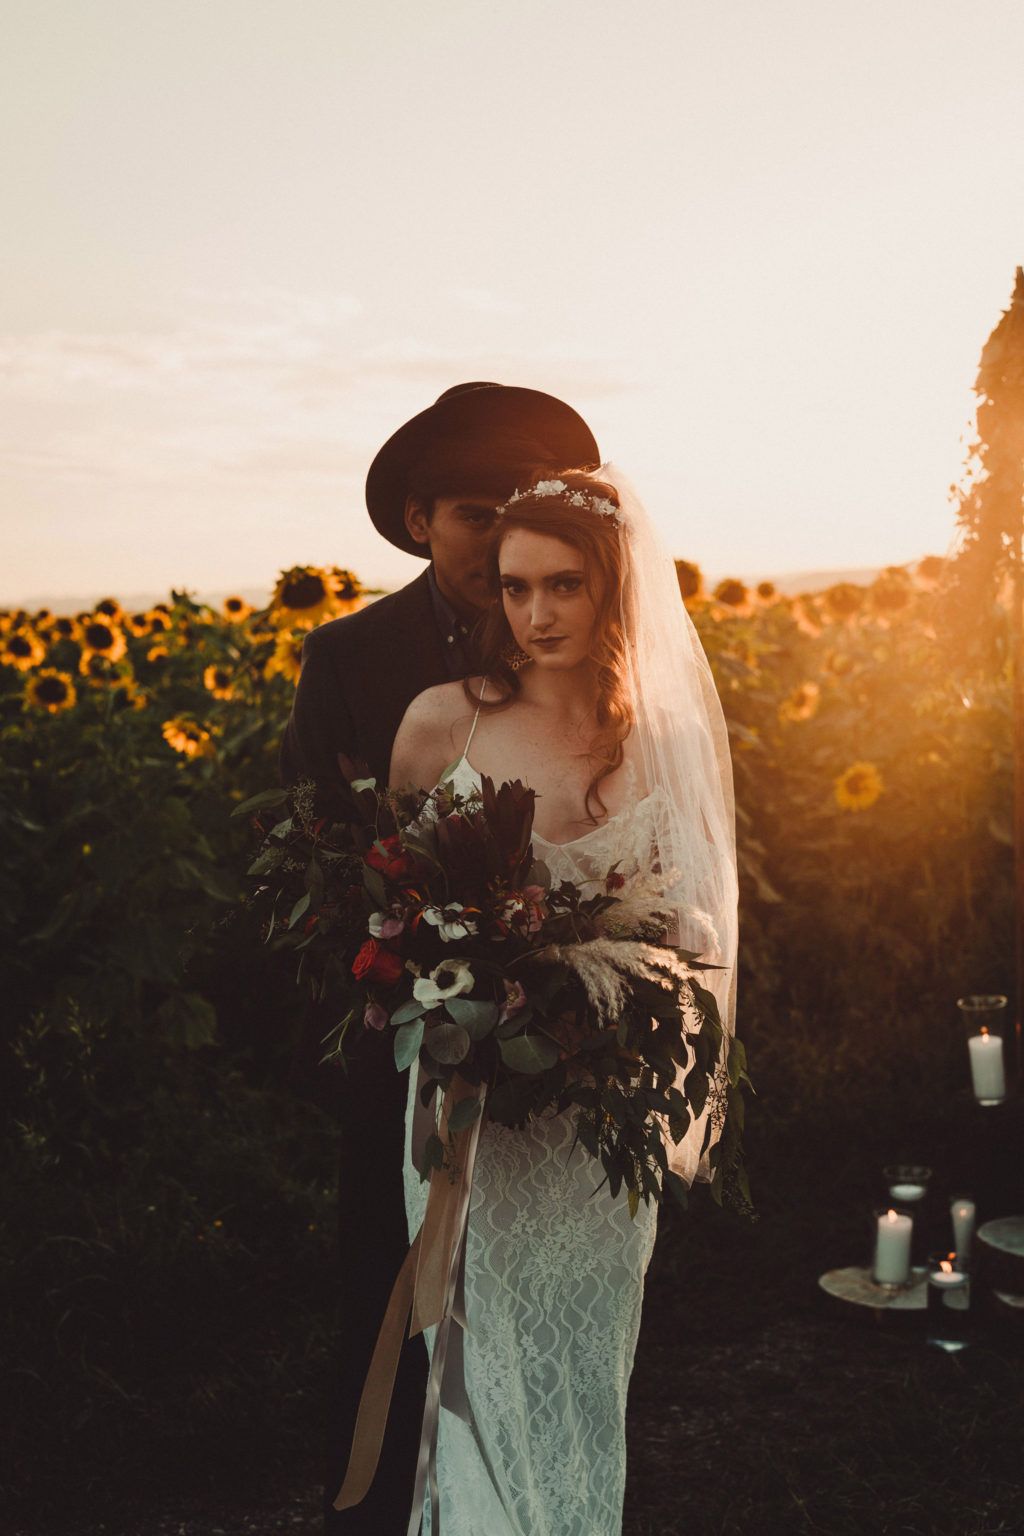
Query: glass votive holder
column 949, row 1302
column 890, row 1266
column 984, row 1015
column 907, row 1184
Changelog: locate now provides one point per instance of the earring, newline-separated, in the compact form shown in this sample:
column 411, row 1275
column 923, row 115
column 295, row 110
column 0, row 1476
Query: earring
column 514, row 657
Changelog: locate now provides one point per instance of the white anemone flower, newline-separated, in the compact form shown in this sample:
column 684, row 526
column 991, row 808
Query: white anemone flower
column 449, row 921
column 446, row 980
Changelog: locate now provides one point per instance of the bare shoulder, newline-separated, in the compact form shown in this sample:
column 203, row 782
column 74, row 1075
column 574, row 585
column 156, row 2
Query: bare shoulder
column 430, row 735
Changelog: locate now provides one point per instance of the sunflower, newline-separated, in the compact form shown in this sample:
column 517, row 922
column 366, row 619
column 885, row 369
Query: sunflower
column 347, row 590
column 126, row 694
column 188, row 738
column 50, row 690
column 65, row 628
column 930, row 570
column 839, row 663
column 891, row 591
column 731, row 592
column 303, row 596
column 98, row 669
column 806, row 614
column 158, row 621
column 218, row 680
column 766, row 591
column 802, row 703
column 691, row 582
column 137, row 624
column 101, row 637
column 109, row 608
column 859, row 787
column 157, row 655
column 23, row 649
column 236, row 610
column 287, row 657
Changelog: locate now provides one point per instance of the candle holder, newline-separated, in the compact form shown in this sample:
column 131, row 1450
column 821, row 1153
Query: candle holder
column 907, row 1184
column 984, row 1019
column 890, row 1267
column 949, row 1303
column 962, row 1215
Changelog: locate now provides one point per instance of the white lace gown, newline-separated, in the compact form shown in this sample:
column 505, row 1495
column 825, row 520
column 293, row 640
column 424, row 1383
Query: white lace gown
column 554, row 1284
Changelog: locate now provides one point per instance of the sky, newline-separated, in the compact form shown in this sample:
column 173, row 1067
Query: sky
column 758, row 244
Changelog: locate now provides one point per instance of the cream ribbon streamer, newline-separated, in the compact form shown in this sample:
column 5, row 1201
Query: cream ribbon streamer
column 429, row 1291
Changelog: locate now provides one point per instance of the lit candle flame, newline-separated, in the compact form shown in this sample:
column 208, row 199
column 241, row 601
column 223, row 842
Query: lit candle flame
column 984, row 1031
column 945, row 1266
column 893, row 1215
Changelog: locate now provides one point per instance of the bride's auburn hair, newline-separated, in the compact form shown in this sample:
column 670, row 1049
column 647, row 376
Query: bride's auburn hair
column 581, row 512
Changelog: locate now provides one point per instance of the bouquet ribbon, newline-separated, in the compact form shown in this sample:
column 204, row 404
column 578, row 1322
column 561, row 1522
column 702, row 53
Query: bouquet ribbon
column 428, row 1292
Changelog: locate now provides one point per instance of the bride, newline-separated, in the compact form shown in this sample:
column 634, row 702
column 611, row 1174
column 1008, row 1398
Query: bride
column 594, row 691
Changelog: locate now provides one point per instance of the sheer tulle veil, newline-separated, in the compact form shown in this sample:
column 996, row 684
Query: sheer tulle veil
column 684, row 750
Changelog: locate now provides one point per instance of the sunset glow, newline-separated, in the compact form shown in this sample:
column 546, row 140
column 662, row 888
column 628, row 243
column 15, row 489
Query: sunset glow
column 758, row 247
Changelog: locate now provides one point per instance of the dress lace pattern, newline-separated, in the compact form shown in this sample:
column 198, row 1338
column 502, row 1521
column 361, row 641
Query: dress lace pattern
column 554, row 1284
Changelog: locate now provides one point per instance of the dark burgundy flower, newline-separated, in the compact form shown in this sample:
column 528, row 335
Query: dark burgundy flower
column 394, row 861
column 375, row 963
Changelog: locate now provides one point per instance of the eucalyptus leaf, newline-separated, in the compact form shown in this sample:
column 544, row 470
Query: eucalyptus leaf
column 257, row 802
column 529, row 1053
column 477, row 1017
column 465, row 1112
column 705, row 1000
column 433, row 1156
column 299, row 909
column 695, row 1087
column 413, row 1009
column 447, row 1043
column 408, row 1039
column 267, row 861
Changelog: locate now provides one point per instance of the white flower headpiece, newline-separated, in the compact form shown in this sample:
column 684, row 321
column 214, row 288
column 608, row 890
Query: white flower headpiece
column 598, row 504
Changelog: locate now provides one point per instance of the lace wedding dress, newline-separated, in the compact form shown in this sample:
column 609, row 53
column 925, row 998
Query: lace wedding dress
column 554, row 1283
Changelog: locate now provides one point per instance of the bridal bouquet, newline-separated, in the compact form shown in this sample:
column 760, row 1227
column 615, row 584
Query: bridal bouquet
column 427, row 916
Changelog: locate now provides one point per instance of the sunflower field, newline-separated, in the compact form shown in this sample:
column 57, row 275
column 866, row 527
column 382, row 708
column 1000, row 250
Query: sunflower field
column 165, row 1225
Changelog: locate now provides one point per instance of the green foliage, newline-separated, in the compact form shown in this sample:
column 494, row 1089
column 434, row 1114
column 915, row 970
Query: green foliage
column 150, row 1044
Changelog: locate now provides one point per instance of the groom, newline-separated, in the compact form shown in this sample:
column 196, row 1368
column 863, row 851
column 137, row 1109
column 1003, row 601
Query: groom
column 432, row 490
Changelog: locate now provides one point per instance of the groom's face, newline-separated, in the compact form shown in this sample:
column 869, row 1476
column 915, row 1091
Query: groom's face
column 458, row 533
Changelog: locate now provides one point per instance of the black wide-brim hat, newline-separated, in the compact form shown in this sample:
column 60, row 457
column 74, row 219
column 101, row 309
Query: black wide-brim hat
column 472, row 415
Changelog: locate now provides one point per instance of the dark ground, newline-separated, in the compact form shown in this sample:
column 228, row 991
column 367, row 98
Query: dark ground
column 758, row 1404
column 801, row 1417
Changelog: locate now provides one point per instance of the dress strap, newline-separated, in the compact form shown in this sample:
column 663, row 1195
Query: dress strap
column 476, row 717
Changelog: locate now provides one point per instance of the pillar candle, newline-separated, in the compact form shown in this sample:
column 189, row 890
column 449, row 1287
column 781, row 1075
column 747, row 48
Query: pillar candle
column 962, row 1212
column 987, row 1077
column 892, row 1249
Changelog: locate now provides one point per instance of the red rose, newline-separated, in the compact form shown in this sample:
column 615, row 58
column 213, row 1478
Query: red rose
column 393, row 862
column 375, row 963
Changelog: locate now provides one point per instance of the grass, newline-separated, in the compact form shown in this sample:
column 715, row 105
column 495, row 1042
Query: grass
column 757, row 1404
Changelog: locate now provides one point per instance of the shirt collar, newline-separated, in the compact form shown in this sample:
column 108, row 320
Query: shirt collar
column 452, row 628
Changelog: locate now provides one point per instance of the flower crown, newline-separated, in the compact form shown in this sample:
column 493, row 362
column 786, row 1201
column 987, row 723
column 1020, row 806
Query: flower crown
column 599, row 504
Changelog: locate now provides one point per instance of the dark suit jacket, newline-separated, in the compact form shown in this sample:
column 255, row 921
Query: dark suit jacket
column 359, row 675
